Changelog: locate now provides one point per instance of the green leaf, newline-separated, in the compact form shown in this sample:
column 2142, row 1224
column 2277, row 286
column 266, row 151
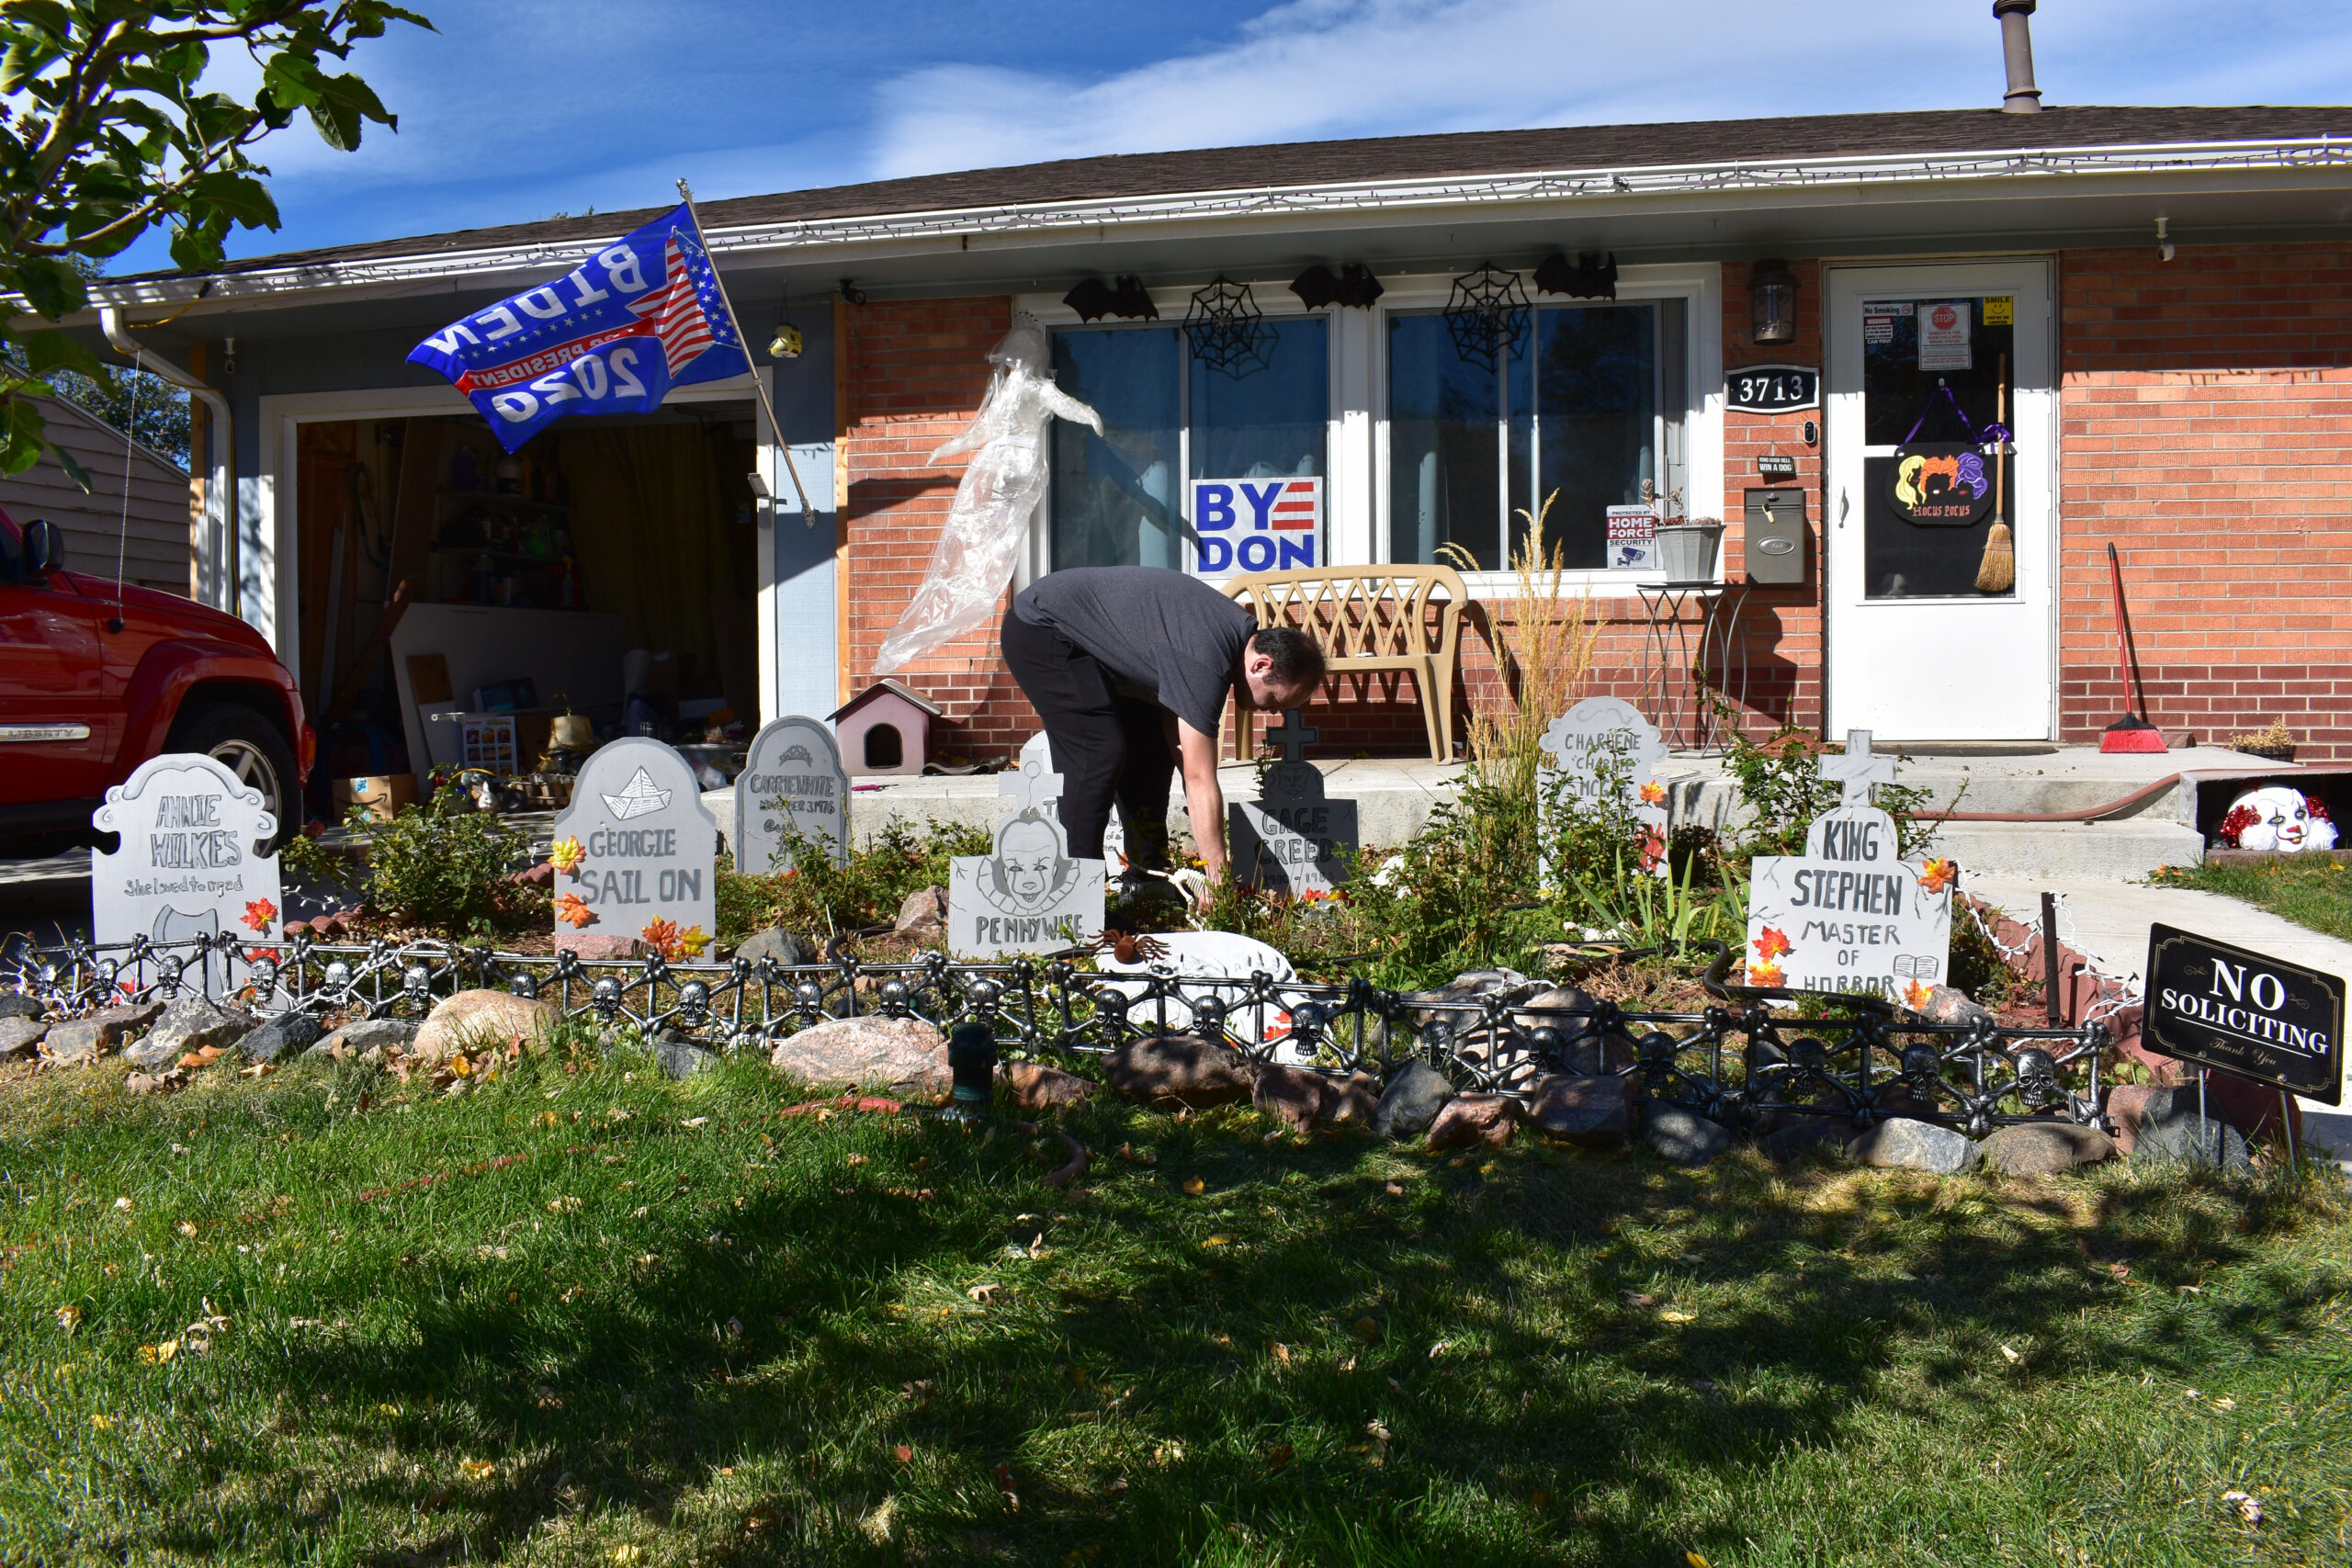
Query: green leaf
column 48, row 286
column 47, row 15
column 20, row 434
column 195, row 247
column 338, row 125
column 72, row 469
column 239, row 197
column 349, row 89
column 292, row 78
column 51, row 350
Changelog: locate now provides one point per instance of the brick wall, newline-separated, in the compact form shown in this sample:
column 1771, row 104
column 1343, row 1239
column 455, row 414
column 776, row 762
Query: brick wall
column 2207, row 404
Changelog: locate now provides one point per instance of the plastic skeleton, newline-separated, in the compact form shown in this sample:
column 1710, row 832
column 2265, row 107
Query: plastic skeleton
column 982, row 537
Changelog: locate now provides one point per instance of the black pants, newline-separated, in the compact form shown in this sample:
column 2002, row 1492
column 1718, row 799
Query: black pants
column 1105, row 746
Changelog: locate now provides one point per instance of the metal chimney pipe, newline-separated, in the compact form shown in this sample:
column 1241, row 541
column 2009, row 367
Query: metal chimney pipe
column 2016, row 53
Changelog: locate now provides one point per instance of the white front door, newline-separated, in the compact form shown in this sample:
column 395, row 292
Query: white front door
column 1924, row 644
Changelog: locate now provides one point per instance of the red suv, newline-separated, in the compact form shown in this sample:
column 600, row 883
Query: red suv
column 94, row 681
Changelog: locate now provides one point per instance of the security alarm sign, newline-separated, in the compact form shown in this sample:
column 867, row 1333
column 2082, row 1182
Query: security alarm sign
column 1269, row 525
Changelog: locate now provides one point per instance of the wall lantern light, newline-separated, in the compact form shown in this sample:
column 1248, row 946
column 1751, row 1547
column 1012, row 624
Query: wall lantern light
column 1772, row 298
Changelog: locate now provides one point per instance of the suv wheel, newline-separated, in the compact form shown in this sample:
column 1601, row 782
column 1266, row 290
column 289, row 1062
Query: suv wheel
column 252, row 750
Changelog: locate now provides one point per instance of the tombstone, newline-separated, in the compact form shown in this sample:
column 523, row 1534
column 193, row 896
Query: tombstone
column 1289, row 839
column 1207, row 955
column 1031, row 896
column 648, row 851
column 793, row 773
column 190, row 862
column 1848, row 915
column 1601, row 734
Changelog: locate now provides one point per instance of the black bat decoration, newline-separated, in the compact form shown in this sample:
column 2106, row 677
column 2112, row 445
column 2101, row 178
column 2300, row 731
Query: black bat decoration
column 1133, row 301
column 1091, row 300
column 1355, row 286
column 1588, row 278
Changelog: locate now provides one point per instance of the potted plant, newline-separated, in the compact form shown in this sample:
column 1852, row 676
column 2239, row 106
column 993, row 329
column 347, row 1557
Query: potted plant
column 1687, row 548
column 2271, row 742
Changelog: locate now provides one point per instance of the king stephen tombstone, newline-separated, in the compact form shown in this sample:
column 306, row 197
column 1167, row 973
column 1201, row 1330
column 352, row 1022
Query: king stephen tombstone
column 1290, row 840
column 1030, row 896
column 190, row 862
column 792, row 773
column 1848, row 915
column 647, row 852
column 1603, row 747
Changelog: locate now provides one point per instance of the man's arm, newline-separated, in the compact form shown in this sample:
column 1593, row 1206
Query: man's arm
column 1203, row 800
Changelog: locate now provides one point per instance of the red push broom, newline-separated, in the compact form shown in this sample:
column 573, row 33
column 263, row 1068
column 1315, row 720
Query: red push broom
column 2131, row 732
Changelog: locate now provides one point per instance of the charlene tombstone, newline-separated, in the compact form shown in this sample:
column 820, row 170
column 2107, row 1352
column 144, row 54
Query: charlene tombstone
column 191, row 860
column 1291, row 839
column 1602, row 748
column 1030, row 896
column 636, row 855
column 793, row 773
column 1849, row 915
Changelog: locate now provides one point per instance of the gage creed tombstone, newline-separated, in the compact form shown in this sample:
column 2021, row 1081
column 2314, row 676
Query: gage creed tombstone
column 189, row 864
column 647, row 849
column 793, row 773
column 1289, row 840
column 1030, row 896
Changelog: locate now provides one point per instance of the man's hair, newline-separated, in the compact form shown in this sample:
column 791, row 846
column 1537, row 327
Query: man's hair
column 1298, row 660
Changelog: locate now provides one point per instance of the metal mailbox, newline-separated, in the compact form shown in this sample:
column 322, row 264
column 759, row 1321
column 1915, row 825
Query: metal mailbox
column 1776, row 537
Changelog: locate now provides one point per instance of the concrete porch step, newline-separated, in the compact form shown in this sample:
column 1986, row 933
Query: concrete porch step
column 2110, row 852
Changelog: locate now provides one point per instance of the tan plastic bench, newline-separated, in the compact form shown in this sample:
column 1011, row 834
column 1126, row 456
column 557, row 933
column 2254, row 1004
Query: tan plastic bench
column 1367, row 619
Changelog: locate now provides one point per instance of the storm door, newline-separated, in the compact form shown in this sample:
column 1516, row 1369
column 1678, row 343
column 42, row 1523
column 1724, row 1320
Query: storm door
column 1940, row 512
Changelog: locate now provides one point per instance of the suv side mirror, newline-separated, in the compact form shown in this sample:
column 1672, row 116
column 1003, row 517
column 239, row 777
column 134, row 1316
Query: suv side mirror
column 44, row 549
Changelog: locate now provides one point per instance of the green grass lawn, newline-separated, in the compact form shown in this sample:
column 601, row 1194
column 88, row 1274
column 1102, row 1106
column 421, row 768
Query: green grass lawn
column 2315, row 893
column 672, row 1328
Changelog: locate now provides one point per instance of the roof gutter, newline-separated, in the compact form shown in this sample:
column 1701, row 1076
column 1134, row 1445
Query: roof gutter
column 220, row 494
column 749, row 240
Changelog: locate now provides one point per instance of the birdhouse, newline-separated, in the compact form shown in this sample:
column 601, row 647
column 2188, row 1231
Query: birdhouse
column 886, row 728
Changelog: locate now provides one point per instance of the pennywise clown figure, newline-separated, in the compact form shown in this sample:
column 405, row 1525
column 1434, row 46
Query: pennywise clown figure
column 981, row 538
column 1029, row 872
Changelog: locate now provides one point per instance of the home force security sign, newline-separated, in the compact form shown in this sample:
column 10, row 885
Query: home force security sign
column 636, row 855
column 190, row 862
column 1846, row 915
column 1030, row 896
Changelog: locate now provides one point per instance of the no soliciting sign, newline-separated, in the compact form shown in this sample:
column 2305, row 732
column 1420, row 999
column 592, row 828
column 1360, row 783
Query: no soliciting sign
column 2222, row 1007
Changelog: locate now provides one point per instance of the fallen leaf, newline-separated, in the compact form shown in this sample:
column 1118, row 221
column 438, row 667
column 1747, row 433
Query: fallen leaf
column 854, row 1159
column 1280, row 1351
column 903, row 1454
column 1367, row 1330
column 1678, row 1318
column 626, row 1553
column 2249, row 1507
column 1279, row 1458
column 1695, row 1561
column 2193, row 1394
column 1395, row 1189
column 156, row 1355
column 1194, row 1186
column 2225, row 1404
column 69, row 1318
column 1006, row 1486
column 102, row 1423
column 477, row 1469
column 1218, row 1241
column 1439, row 1348
column 1538, row 1500
column 1635, row 1299
column 984, row 1294
column 2010, row 1356
column 696, row 1122
column 123, row 1203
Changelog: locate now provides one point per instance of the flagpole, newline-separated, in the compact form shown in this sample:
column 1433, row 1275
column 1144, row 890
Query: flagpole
column 808, row 516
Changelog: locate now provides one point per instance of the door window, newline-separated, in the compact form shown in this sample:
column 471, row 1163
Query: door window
column 1938, row 375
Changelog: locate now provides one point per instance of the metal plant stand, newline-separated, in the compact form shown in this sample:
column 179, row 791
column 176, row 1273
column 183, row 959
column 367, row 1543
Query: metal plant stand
column 1674, row 685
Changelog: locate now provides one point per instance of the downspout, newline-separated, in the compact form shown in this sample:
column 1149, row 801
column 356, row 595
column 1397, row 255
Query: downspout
column 221, row 499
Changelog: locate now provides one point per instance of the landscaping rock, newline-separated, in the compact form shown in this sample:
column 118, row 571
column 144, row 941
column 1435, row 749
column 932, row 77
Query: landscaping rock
column 1681, row 1136
column 682, row 1058
column 20, row 1034
column 867, row 1053
column 1902, row 1144
column 1354, row 1100
column 1595, row 1112
column 788, row 949
column 190, row 1023
column 284, row 1035
column 924, row 916
column 1823, row 1136
column 16, row 1004
column 596, row 948
column 1293, row 1095
column 1411, row 1101
column 1464, row 989
column 368, row 1037
column 2156, row 1122
column 1468, row 1118
column 1947, row 1004
column 2044, row 1148
column 1182, row 1067
column 1033, row 1085
column 87, row 1039
column 1583, row 1050
column 477, row 1017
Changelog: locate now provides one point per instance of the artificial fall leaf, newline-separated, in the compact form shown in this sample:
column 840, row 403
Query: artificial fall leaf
column 1772, row 944
column 694, row 940
column 1916, row 995
column 664, row 937
column 574, row 912
column 1194, row 1186
column 260, row 914
column 1938, row 875
column 567, row 854
column 1763, row 974
column 477, row 1469
column 1654, row 794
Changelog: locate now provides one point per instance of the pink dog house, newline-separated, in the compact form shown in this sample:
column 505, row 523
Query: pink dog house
column 886, row 728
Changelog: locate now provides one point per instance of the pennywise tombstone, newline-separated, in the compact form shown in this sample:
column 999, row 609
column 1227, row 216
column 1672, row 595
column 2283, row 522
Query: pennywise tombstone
column 981, row 538
column 1029, row 896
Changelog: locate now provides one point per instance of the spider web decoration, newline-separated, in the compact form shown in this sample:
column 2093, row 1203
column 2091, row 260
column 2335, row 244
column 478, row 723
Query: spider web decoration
column 1487, row 311
column 1228, row 331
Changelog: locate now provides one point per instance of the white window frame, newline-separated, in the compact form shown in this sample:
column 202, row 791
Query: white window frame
column 1700, row 285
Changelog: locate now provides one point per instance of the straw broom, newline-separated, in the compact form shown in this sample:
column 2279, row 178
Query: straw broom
column 1997, row 572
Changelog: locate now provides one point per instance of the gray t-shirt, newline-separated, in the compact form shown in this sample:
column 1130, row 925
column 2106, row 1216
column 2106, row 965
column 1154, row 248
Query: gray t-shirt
column 1164, row 636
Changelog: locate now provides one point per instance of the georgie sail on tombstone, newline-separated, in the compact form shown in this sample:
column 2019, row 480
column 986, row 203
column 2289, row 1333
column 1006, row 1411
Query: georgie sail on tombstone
column 613, row 336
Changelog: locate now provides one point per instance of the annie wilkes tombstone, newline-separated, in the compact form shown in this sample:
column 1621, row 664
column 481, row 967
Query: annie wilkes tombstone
column 793, row 773
column 189, row 864
column 647, row 846
column 1029, row 896
column 1289, row 840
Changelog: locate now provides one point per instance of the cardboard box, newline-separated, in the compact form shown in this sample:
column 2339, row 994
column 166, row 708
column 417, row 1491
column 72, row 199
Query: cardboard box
column 382, row 793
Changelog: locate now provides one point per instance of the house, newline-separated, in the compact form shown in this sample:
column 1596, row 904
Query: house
column 147, row 538
column 1803, row 325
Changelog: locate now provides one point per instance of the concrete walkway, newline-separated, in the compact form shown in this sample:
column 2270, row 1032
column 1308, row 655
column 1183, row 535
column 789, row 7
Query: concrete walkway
column 2108, row 922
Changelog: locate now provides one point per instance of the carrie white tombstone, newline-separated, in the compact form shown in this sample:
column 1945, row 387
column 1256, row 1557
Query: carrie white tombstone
column 793, row 773
column 1586, row 749
column 190, row 862
column 1031, row 896
column 1848, row 915
column 647, row 850
column 1289, row 840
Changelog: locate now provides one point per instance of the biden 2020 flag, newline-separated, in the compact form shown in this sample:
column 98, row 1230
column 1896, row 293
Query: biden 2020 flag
column 613, row 336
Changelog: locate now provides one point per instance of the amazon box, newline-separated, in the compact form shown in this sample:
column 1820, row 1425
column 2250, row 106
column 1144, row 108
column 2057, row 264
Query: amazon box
column 381, row 793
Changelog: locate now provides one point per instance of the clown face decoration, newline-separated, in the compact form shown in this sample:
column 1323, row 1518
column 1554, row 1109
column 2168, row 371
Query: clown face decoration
column 2279, row 819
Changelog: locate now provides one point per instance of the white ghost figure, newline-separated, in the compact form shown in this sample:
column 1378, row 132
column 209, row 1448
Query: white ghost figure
column 982, row 537
column 2278, row 818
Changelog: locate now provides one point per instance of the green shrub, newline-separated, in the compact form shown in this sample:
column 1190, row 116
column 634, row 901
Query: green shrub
column 817, row 897
column 1780, row 785
column 442, row 865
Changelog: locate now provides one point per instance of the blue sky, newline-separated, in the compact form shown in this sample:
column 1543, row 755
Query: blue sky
column 518, row 109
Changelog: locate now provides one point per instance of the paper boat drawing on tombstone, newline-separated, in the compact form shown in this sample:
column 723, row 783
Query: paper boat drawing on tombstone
column 640, row 797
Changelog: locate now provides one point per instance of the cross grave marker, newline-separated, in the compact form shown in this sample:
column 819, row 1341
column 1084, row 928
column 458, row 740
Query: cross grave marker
column 793, row 773
column 1858, row 770
column 1289, row 840
column 1030, row 896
